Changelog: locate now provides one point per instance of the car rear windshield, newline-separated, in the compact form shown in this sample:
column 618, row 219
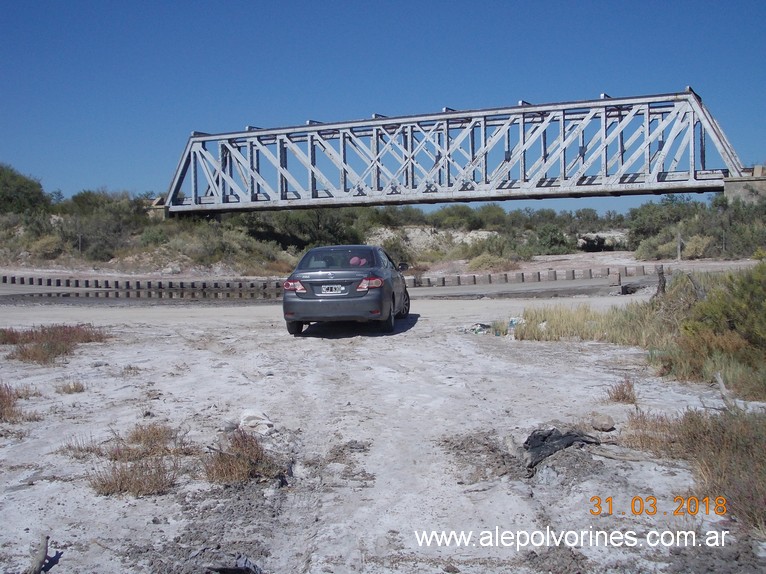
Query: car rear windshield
column 346, row 258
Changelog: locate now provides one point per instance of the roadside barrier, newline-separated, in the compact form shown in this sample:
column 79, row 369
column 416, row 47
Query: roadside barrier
column 128, row 288
column 144, row 288
column 527, row 276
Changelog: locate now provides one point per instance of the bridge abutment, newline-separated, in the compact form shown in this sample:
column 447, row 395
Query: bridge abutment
column 748, row 189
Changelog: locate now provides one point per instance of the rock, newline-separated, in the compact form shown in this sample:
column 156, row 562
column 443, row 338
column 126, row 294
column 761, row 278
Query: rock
column 228, row 426
column 602, row 422
column 256, row 421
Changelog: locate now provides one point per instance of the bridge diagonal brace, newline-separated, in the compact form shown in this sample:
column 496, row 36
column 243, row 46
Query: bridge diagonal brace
column 214, row 172
column 245, row 172
column 306, row 162
column 595, row 154
column 338, row 161
column 299, row 191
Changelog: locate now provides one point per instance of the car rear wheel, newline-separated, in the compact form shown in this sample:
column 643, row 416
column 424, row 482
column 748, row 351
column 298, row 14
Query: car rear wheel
column 294, row 327
column 387, row 326
column 405, row 306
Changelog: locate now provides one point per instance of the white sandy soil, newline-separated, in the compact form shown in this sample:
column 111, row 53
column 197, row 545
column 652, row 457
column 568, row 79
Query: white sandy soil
column 389, row 436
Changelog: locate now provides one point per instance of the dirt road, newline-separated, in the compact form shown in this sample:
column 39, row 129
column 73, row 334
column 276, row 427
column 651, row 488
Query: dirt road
column 390, row 437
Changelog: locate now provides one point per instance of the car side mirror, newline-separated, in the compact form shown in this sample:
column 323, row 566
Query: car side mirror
column 403, row 267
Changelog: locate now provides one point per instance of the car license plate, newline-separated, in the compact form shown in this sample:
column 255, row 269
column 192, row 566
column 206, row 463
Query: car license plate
column 332, row 289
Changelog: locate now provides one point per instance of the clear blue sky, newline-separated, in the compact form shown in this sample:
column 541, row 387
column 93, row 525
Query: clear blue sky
column 104, row 93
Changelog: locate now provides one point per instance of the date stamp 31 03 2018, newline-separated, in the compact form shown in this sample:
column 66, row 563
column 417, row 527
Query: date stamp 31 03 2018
column 649, row 506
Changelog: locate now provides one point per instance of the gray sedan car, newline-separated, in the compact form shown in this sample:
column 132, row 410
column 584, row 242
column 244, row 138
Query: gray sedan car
column 345, row 283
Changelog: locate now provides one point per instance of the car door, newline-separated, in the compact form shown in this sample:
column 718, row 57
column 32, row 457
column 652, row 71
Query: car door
column 397, row 279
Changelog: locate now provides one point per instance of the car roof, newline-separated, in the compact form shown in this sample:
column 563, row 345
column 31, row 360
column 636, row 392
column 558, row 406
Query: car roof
column 343, row 247
column 336, row 248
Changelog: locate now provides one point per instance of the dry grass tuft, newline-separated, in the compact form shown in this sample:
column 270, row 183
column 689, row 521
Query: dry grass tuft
column 70, row 387
column 43, row 352
column 144, row 477
column 26, row 392
column 147, row 461
column 244, row 459
column 622, row 392
column 653, row 432
column 634, row 324
column 728, row 451
column 81, row 449
column 10, row 412
column 153, row 436
column 131, row 371
column 152, row 440
column 500, row 328
column 44, row 344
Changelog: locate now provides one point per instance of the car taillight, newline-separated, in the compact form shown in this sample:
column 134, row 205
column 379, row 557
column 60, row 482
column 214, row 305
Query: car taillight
column 370, row 283
column 293, row 285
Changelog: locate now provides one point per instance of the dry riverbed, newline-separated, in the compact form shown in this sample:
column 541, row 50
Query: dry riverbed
column 385, row 437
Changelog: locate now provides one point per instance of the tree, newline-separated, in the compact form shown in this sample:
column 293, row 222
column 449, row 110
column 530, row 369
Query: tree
column 492, row 216
column 456, row 217
column 587, row 220
column 552, row 241
column 20, row 194
column 612, row 219
column 541, row 217
column 651, row 218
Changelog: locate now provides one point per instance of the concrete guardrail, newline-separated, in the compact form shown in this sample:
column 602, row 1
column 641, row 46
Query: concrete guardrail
column 53, row 286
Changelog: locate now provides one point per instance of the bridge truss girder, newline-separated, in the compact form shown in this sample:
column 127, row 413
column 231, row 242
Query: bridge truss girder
column 609, row 146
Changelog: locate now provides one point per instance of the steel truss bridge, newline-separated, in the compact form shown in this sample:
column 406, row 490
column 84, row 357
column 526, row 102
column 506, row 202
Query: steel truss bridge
column 603, row 147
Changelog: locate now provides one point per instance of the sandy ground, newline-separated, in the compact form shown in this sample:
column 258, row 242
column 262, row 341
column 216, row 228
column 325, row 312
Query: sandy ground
column 389, row 436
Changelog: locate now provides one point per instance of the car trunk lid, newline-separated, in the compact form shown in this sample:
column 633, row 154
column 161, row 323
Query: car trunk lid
column 331, row 284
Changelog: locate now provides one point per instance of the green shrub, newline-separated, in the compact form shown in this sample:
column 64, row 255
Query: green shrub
column 654, row 219
column 154, row 235
column 455, row 217
column 489, row 262
column 697, row 247
column 738, row 305
column 703, row 336
column 727, row 332
column 47, row 247
column 687, row 337
column 97, row 224
column 658, row 247
column 398, row 250
column 550, row 240
column 20, row 194
column 36, row 224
